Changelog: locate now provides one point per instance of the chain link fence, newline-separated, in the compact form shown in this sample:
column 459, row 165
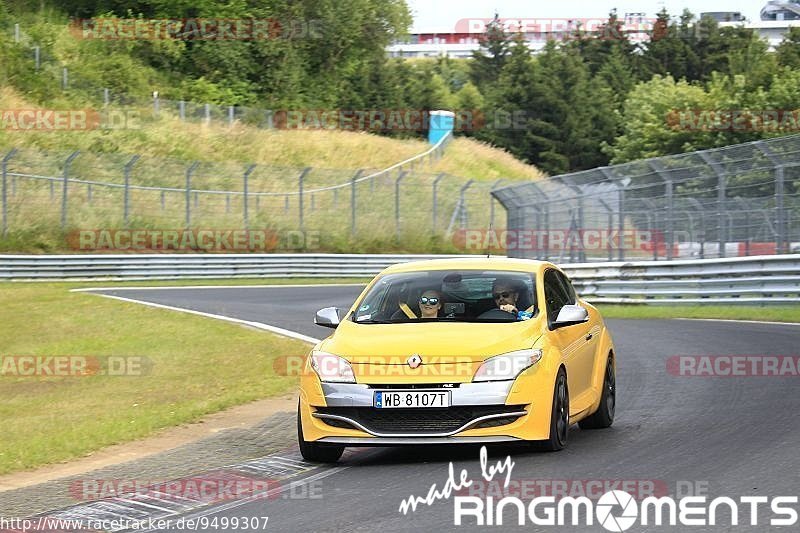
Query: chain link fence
column 65, row 190
column 727, row 202
column 90, row 191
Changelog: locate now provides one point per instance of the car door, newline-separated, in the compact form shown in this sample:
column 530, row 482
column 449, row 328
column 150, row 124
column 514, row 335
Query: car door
column 591, row 334
column 571, row 339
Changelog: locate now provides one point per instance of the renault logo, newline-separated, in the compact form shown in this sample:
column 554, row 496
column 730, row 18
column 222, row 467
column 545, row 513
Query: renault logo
column 414, row 361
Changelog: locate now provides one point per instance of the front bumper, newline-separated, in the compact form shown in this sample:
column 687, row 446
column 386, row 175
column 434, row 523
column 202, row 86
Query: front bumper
column 501, row 411
column 361, row 395
column 420, row 441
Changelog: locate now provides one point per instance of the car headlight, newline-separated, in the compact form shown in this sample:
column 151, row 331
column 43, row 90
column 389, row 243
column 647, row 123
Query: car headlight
column 331, row 368
column 507, row 366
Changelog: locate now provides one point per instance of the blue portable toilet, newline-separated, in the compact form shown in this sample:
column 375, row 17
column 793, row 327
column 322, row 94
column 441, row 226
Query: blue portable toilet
column 441, row 123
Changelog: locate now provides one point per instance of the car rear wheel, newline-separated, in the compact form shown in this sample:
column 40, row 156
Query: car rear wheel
column 316, row 453
column 559, row 418
column 604, row 416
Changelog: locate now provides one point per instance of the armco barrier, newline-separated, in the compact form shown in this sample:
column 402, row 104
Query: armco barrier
column 767, row 279
column 744, row 280
column 134, row 267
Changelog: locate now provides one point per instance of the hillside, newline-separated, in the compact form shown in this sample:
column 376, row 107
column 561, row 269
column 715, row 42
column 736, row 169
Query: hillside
column 167, row 146
column 171, row 138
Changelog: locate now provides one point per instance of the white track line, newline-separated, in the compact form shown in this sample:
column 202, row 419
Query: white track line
column 741, row 321
column 288, row 462
column 258, row 325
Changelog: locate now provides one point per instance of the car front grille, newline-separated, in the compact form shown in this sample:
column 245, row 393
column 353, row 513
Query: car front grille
column 421, row 421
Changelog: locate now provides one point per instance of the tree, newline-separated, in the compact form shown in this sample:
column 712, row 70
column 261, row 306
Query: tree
column 617, row 76
column 784, row 97
column 513, row 94
column 469, row 103
column 749, row 56
column 660, row 118
column 489, row 60
column 669, row 52
column 788, row 52
column 608, row 40
column 559, row 115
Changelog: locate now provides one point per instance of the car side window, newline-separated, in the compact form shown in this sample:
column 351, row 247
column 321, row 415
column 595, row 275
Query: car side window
column 570, row 290
column 555, row 294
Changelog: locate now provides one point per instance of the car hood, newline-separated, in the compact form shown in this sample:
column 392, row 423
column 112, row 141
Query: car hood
column 435, row 342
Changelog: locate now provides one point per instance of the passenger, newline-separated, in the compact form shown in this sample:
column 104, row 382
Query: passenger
column 430, row 303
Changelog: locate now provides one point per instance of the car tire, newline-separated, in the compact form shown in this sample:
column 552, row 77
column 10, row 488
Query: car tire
column 313, row 452
column 604, row 416
column 559, row 417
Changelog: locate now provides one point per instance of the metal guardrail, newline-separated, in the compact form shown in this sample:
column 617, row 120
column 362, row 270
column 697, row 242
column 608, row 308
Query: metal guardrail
column 197, row 266
column 750, row 280
column 758, row 280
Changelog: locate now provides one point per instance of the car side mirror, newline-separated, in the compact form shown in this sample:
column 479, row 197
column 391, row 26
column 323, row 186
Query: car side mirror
column 328, row 317
column 570, row 315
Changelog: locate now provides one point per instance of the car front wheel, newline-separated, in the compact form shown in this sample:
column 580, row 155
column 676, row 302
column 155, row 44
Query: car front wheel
column 604, row 416
column 559, row 418
column 313, row 452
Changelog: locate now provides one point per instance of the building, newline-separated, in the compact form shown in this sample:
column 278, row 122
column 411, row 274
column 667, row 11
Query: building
column 464, row 38
column 773, row 31
column 724, row 16
column 778, row 10
column 434, row 42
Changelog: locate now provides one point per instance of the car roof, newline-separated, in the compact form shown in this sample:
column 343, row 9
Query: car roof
column 471, row 263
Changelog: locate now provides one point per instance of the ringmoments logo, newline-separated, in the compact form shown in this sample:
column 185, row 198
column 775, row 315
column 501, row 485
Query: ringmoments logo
column 618, row 511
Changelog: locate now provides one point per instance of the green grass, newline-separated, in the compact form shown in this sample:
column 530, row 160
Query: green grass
column 199, row 366
column 776, row 313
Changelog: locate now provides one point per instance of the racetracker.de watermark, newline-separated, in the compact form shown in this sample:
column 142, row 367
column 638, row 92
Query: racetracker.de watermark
column 195, row 29
column 46, row 120
column 734, row 120
column 452, row 367
column 113, row 522
column 734, row 366
column 74, row 365
column 210, row 487
column 557, row 239
column 397, row 120
column 192, row 240
column 572, row 488
column 544, row 29
column 447, row 368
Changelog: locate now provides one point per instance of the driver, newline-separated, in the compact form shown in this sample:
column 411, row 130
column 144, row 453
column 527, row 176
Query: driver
column 505, row 296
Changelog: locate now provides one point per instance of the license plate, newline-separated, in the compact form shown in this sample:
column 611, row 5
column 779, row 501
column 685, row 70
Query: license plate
column 408, row 399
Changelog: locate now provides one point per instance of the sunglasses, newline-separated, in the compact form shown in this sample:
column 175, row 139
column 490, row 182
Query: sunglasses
column 499, row 295
column 428, row 301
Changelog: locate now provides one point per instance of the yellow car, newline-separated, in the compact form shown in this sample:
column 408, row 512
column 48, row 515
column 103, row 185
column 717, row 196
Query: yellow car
column 457, row 351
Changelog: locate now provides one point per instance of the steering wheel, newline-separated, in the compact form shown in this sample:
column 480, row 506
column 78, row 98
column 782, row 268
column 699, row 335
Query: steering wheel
column 496, row 314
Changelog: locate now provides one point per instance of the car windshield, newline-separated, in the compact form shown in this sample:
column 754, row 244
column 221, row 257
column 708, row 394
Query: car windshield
column 449, row 295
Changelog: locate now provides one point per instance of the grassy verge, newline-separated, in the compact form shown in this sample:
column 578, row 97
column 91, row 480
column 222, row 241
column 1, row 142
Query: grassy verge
column 197, row 366
column 778, row 313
